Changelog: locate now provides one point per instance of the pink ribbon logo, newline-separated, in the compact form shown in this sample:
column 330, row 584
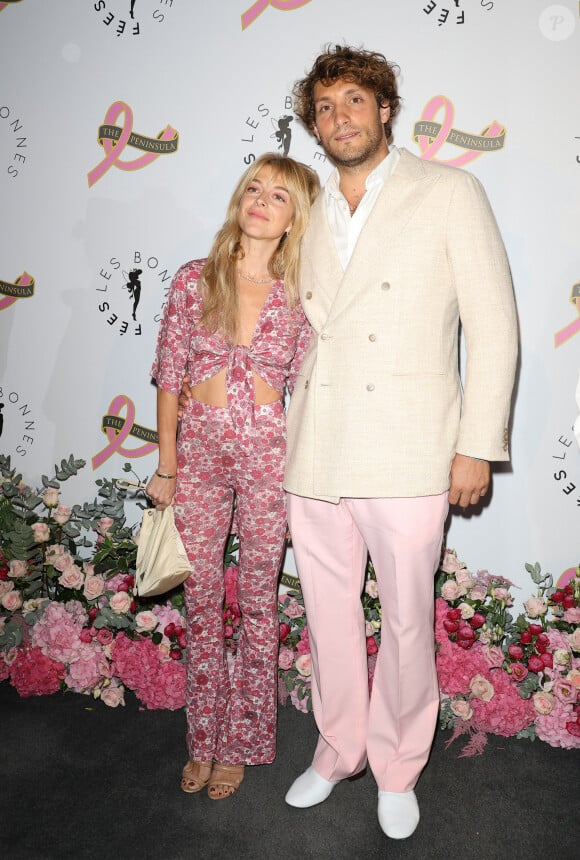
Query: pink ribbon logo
column 430, row 135
column 22, row 288
column 574, row 327
column 254, row 11
column 117, row 429
column 114, row 139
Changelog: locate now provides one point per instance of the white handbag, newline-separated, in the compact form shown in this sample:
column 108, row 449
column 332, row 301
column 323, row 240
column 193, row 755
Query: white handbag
column 162, row 562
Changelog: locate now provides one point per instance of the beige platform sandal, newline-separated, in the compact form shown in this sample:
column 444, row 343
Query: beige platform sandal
column 195, row 776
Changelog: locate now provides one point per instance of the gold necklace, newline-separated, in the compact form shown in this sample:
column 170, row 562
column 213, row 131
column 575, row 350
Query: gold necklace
column 254, row 280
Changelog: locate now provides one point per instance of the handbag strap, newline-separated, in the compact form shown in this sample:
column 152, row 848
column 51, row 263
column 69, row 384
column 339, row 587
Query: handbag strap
column 122, row 484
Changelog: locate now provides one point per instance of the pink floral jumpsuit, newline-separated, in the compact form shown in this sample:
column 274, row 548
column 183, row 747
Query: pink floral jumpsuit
column 226, row 453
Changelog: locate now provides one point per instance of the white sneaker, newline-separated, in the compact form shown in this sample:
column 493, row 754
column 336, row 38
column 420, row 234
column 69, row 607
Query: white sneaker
column 309, row 789
column 398, row 813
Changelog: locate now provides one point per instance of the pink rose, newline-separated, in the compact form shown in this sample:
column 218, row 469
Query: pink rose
column 464, row 578
column 94, row 586
column 113, row 695
column 11, row 601
column 146, row 621
column 450, row 591
column 303, row 664
column 120, row 603
column 5, row 587
column 372, row 589
column 467, row 611
column 504, row 595
column 286, row 658
column 62, row 514
column 104, row 526
column 104, row 636
column 574, row 677
column 564, row 691
column 293, row 609
column 369, row 629
column 515, row 652
column 17, row 569
column 40, row 532
column 462, row 709
column 562, row 657
column 572, row 616
column 543, row 702
column 481, row 688
column 72, row 577
column 478, row 592
column 450, row 563
column 494, row 656
column 519, row 671
column 50, row 497
column 573, row 639
column 535, row 607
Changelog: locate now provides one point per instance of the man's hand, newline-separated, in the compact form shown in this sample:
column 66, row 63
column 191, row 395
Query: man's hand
column 469, row 480
column 184, row 397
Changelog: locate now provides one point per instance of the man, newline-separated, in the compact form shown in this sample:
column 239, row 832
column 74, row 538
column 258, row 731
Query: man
column 380, row 439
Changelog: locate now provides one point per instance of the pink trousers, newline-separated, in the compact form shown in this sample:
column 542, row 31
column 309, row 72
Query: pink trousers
column 394, row 728
column 231, row 720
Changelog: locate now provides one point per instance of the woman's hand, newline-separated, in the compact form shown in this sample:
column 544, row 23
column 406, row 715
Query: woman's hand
column 161, row 491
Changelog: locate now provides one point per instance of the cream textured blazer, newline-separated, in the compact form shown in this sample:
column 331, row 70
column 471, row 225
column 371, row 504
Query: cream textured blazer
column 377, row 409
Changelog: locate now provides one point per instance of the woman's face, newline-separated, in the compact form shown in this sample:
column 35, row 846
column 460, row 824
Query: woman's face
column 266, row 210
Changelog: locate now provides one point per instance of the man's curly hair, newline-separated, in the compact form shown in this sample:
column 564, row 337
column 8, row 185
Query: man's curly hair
column 366, row 68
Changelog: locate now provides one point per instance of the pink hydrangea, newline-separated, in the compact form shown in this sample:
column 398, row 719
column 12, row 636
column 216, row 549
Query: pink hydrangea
column 88, row 669
column 34, row 674
column 57, row 632
column 300, row 703
column 166, row 689
column 456, row 667
column 552, row 727
column 506, row 713
column 138, row 664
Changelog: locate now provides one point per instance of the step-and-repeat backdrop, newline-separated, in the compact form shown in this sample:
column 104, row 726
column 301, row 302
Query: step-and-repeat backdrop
column 124, row 125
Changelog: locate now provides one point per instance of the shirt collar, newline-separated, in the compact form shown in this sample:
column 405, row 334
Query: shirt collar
column 378, row 176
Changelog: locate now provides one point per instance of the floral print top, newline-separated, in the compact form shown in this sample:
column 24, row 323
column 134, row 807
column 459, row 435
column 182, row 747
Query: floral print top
column 277, row 349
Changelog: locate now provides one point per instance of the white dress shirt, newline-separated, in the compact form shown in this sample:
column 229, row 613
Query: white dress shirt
column 346, row 228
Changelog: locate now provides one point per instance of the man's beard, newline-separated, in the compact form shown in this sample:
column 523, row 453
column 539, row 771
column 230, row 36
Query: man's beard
column 371, row 146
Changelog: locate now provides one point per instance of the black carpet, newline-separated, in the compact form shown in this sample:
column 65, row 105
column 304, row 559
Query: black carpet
column 79, row 780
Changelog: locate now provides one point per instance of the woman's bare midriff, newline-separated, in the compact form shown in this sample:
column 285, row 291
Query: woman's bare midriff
column 213, row 391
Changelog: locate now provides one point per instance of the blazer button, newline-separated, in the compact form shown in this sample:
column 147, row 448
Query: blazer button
column 324, row 336
column 306, row 383
column 372, row 337
column 385, row 285
column 370, row 386
column 308, row 295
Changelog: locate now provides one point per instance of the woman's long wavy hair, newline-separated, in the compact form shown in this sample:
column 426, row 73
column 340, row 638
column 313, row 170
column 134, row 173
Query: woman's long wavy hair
column 219, row 275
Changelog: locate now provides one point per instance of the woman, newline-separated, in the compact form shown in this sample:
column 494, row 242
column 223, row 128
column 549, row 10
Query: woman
column 236, row 328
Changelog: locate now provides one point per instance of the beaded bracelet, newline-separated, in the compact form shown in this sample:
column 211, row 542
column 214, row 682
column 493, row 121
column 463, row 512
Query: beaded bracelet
column 168, row 477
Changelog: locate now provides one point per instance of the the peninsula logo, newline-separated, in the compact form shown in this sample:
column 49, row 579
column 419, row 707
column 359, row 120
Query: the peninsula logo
column 275, row 128
column 453, row 11
column 132, row 292
column 567, row 333
column 11, row 291
column 256, row 9
column 118, row 424
column 17, row 142
column 114, row 138
column 431, row 134
column 126, row 17
column 17, row 423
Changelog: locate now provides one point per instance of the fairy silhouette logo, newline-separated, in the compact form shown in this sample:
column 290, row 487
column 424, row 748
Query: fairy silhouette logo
column 452, row 12
column 132, row 292
column 435, row 128
column 118, row 424
column 114, row 138
column 129, row 17
column 11, row 291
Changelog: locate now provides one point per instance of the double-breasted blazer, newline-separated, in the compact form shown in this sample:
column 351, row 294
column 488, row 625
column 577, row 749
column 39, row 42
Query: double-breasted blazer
column 378, row 408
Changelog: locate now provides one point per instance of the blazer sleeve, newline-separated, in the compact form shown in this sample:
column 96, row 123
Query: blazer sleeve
column 483, row 286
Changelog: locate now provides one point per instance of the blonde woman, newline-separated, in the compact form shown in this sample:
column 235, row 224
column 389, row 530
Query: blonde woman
column 234, row 326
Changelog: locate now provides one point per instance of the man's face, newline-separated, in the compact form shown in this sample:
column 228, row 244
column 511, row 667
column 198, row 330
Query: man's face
column 349, row 124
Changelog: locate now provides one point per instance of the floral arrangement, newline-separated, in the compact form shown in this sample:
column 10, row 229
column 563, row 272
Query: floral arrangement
column 70, row 620
column 502, row 676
